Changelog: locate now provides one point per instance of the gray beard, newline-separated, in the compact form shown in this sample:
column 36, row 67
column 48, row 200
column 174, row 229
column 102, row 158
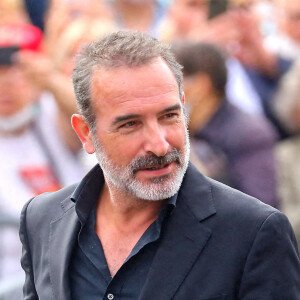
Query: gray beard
column 159, row 188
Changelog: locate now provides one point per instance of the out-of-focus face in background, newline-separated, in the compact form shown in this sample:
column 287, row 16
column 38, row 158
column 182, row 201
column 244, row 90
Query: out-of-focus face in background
column 74, row 36
column 190, row 14
column 15, row 91
column 291, row 18
column 196, row 10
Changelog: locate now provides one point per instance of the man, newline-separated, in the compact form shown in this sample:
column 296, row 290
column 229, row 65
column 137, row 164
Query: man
column 145, row 224
column 237, row 148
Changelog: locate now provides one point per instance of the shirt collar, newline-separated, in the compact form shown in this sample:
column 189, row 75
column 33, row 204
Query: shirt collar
column 87, row 193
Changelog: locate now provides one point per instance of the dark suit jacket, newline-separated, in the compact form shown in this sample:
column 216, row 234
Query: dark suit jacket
column 218, row 244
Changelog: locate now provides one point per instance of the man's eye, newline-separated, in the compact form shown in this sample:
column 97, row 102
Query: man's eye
column 128, row 124
column 170, row 115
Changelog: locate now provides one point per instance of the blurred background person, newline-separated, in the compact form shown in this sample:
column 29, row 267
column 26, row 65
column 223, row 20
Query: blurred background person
column 62, row 13
column 236, row 148
column 287, row 107
column 143, row 15
column 12, row 11
column 36, row 11
column 34, row 156
column 253, row 71
column 52, row 73
column 286, row 39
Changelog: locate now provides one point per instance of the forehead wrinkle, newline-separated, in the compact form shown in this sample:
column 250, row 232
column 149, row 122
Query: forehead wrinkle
column 152, row 91
column 137, row 104
column 143, row 95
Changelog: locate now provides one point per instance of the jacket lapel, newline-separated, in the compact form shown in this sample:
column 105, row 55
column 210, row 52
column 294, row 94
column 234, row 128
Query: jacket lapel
column 63, row 235
column 183, row 238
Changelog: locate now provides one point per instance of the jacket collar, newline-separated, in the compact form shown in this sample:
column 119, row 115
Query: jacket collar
column 63, row 235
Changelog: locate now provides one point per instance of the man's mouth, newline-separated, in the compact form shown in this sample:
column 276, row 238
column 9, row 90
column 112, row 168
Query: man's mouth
column 156, row 170
column 152, row 168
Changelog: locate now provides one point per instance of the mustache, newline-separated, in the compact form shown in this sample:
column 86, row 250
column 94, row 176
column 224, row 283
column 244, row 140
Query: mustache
column 152, row 160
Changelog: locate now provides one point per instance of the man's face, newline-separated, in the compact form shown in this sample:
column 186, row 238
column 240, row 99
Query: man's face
column 141, row 139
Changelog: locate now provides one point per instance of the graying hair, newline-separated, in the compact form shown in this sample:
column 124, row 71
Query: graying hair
column 121, row 48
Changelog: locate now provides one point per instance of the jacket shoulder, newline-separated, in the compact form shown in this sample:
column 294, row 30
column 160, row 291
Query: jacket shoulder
column 202, row 193
column 243, row 217
column 49, row 205
column 236, row 203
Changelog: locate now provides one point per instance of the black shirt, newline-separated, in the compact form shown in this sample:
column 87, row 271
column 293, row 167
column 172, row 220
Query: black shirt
column 90, row 278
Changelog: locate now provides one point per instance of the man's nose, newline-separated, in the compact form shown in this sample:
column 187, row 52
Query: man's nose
column 155, row 141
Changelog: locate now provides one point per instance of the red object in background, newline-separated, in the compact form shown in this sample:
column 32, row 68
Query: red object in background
column 39, row 179
column 23, row 36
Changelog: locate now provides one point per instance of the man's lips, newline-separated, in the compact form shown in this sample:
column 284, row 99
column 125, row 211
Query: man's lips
column 156, row 170
column 155, row 167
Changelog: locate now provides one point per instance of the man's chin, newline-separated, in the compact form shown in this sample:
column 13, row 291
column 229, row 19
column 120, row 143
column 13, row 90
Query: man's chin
column 155, row 180
column 157, row 188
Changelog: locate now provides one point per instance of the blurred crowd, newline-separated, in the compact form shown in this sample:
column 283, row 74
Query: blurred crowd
column 241, row 62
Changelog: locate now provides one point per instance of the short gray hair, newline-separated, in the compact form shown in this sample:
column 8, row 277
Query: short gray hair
column 121, row 48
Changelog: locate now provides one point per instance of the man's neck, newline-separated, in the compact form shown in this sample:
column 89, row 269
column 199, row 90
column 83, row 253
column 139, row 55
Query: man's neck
column 120, row 222
column 122, row 209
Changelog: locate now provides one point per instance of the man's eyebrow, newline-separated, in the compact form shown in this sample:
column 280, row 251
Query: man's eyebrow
column 124, row 118
column 171, row 108
column 133, row 116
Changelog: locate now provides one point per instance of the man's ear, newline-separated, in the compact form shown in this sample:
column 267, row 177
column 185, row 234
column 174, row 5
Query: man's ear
column 84, row 133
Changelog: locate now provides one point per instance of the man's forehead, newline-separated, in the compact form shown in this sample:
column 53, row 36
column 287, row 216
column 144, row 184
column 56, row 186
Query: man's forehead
column 134, row 91
column 155, row 74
